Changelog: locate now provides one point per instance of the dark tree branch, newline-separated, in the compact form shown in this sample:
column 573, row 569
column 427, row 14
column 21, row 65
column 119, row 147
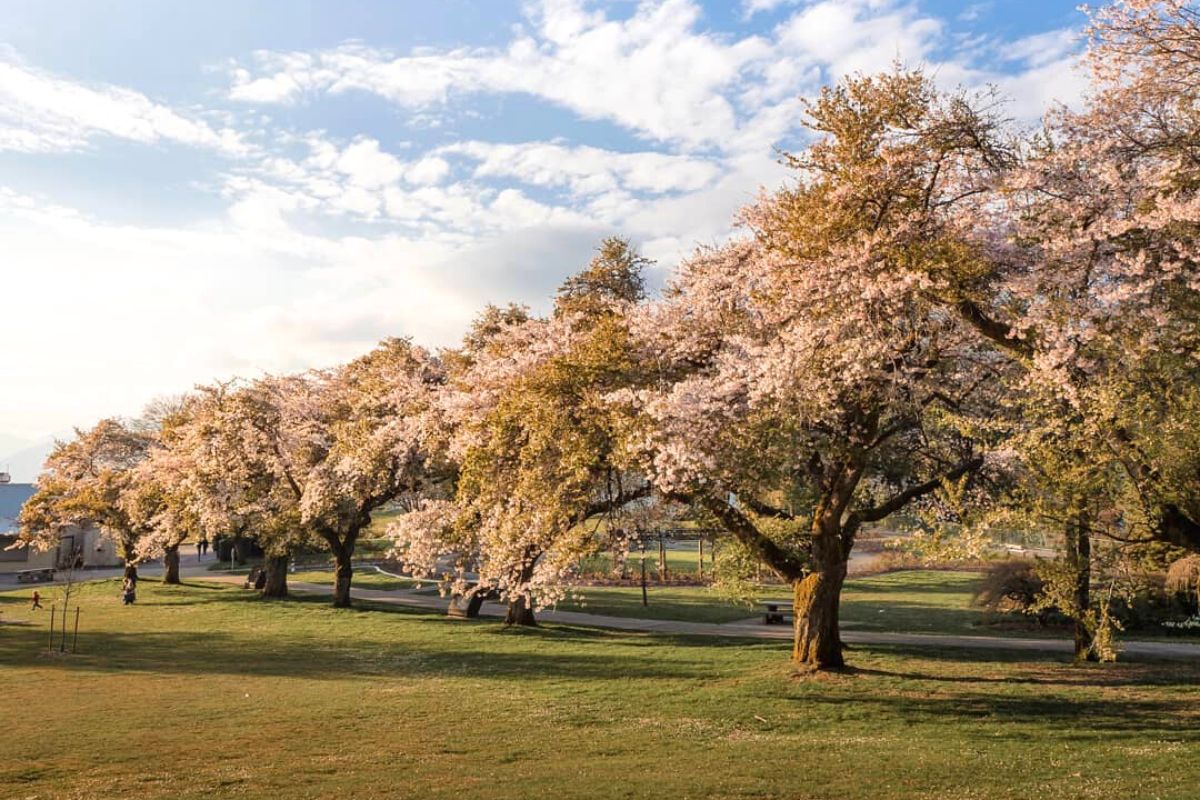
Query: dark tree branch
column 995, row 330
column 900, row 500
column 787, row 565
column 618, row 500
column 765, row 509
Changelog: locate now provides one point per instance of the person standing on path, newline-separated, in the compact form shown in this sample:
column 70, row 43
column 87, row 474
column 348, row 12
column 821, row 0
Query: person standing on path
column 37, row 601
column 203, row 547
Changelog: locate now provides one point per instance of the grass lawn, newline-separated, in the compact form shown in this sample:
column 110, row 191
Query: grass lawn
column 688, row 603
column 922, row 600
column 682, row 559
column 203, row 690
column 927, row 601
column 364, row 578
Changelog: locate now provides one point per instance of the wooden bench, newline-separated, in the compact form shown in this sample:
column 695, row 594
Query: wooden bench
column 775, row 612
column 35, row 575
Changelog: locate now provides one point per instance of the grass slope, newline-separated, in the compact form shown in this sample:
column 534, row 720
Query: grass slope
column 203, row 690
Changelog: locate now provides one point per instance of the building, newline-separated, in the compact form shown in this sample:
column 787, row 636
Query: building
column 83, row 546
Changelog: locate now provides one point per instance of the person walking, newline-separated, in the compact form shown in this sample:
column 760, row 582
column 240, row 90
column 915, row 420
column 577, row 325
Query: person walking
column 203, row 547
column 37, row 601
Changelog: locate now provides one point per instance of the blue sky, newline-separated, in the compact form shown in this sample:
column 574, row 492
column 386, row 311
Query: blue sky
column 196, row 190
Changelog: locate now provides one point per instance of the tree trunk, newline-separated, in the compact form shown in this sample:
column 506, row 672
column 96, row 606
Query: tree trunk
column 171, row 565
column 342, row 572
column 818, row 641
column 1079, row 553
column 131, row 571
column 520, row 612
column 276, row 586
column 238, row 550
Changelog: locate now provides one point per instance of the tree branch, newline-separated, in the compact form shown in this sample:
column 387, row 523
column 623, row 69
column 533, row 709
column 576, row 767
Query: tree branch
column 764, row 509
column 905, row 497
column 788, row 565
column 995, row 330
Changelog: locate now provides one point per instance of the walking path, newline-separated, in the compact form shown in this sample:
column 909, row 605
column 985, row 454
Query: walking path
column 744, row 630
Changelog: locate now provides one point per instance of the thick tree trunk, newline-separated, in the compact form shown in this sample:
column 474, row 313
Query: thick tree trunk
column 818, row 642
column 276, row 586
column 520, row 607
column 131, row 571
column 342, row 572
column 171, row 565
column 520, row 612
column 238, row 551
column 817, row 597
column 1079, row 553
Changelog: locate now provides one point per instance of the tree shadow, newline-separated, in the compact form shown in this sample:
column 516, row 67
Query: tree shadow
column 1061, row 673
column 222, row 653
column 1073, row 716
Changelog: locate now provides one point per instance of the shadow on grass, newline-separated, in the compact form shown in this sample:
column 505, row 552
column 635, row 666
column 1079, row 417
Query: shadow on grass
column 1058, row 673
column 215, row 652
column 1074, row 716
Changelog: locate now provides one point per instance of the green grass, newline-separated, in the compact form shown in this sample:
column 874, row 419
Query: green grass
column 682, row 560
column 687, row 603
column 364, row 578
column 921, row 601
column 925, row 601
column 203, row 690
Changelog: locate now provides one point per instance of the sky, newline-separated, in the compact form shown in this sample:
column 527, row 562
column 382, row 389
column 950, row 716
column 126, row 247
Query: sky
column 192, row 191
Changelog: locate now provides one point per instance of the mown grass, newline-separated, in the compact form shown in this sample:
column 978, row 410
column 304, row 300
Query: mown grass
column 682, row 561
column 920, row 601
column 364, row 578
column 203, row 691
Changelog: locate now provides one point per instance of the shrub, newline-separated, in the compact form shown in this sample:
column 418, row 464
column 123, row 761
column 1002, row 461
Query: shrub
column 1183, row 580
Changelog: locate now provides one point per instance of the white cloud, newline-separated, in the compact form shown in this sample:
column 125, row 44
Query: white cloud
column 657, row 72
column 653, row 73
column 40, row 112
column 752, row 7
column 328, row 241
column 113, row 315
column 588, row 170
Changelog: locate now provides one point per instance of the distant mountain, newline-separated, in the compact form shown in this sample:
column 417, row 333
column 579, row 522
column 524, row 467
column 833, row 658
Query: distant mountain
column 25, row 464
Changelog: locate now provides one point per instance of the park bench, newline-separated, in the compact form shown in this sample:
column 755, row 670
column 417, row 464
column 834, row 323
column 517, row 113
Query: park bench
column 35, row 575
column 775, row 612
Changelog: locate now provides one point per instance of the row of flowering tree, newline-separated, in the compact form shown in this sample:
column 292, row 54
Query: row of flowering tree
column 940, row 313
column 297, row 460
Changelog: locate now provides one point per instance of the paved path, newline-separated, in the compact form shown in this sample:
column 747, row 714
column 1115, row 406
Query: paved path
column 744, row 630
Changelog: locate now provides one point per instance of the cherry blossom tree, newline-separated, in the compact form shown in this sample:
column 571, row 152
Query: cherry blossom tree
column 94, row 479
column 533, row 437
column 341, row 443
column 1093, row 278
column 809, row 372
column 222, row 484
column 160, row 501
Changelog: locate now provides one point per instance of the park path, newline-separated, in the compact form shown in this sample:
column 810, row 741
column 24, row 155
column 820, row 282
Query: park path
column 745, row 630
